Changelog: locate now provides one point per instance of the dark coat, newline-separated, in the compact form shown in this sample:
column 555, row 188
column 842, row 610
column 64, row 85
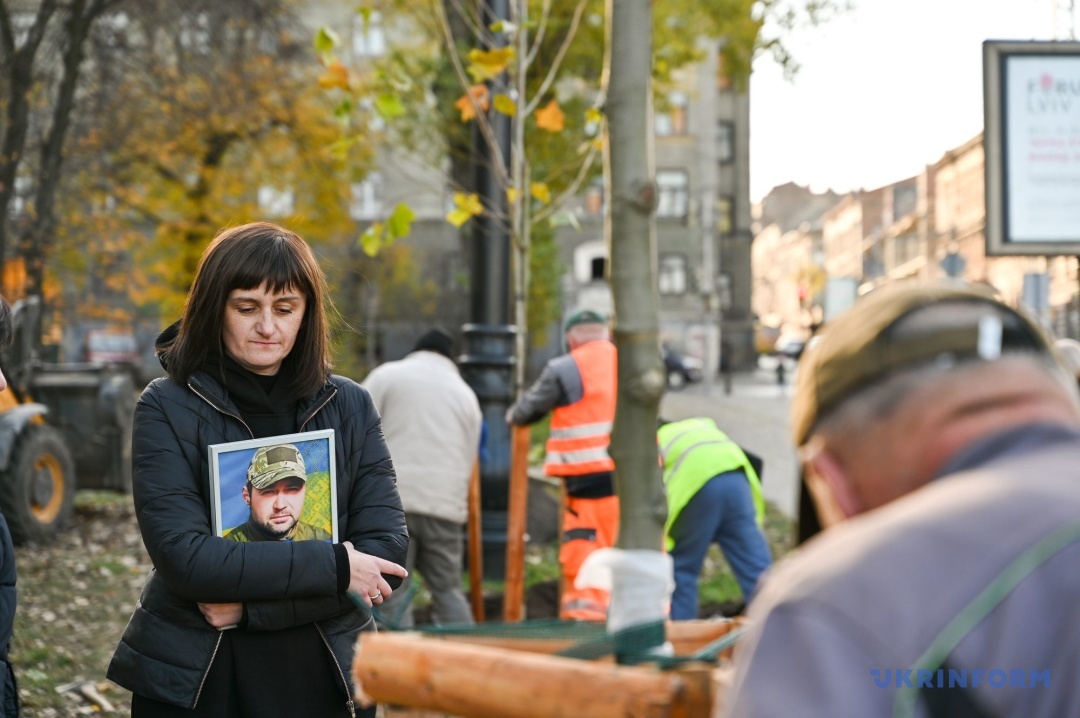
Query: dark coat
column 167, row 649
column 9, row 694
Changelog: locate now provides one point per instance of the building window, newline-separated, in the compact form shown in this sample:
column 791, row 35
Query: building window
column 674, row 121
column 368, row 37
column 672, row 274
column 195, row 33
column 725, row 214
column 594, row 198
column 365, row 200
column 21, row 196
column 274, row 202
column 723, row 79
column 725, row 141
column 673, row 193
column 597, row 269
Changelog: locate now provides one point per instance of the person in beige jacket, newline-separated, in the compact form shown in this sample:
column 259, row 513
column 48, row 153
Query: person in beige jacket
column 432, row 421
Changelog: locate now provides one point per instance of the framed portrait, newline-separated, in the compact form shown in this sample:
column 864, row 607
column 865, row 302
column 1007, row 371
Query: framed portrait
column 280, row 488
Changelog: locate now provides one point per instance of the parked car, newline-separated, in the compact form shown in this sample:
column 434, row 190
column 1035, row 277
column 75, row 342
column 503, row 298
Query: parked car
column 110, row 347
column 682, row 369
column 790, row 345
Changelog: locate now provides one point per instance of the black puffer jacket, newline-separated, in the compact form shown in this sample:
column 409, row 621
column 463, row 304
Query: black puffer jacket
column 167, row 648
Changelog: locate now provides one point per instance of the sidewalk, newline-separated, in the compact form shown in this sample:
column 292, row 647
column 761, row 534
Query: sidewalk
column 755, row 415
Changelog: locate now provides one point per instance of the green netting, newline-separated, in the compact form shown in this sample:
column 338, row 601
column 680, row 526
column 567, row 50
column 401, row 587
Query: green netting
column 630, row 646
column 548, row 628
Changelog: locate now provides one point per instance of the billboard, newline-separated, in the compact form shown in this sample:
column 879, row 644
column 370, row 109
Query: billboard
column 1032, row 145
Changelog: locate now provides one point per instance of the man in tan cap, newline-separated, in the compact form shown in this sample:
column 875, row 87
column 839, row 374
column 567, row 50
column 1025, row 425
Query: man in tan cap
column 275, row 491
column 940, row 441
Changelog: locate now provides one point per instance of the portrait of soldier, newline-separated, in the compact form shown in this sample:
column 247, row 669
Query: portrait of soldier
column 274, row 492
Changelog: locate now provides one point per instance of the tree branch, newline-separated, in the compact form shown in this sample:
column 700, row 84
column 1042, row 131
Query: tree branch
column 481, row 116
column 571, row 190
column 545, row 11
column 553, row 71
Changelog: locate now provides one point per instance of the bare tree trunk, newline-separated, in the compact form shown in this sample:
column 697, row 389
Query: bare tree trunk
column 80, row 18
column 20, row 80
column 631, row 236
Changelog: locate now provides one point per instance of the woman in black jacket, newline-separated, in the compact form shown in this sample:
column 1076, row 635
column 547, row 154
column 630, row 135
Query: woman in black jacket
column 250, row 359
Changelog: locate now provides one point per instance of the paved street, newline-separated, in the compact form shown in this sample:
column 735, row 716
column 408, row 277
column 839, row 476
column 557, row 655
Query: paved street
column 756, row 416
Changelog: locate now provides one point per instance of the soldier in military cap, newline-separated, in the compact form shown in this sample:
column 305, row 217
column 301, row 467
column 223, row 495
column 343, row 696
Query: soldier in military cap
column 275, row 489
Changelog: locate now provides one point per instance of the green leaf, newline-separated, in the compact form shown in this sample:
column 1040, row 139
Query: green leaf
column 343, row 109
column 505, row 105
column 326, row 40
column 364, row 11
column 372, row 239
column 400, row 221
column 389, row 106
column 340, row 148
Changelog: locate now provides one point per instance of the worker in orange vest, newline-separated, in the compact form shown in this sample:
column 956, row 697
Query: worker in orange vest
column 578, row 389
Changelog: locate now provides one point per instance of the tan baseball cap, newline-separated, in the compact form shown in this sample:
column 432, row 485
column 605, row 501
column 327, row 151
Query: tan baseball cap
column 271, row 464
column 870, row 342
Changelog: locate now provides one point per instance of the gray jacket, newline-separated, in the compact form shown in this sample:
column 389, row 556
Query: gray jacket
column 840, row 627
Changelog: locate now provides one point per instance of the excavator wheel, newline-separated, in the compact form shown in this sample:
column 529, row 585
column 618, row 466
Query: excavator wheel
column 37, row 491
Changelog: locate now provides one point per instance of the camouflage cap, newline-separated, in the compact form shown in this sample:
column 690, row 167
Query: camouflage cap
column 271, row 464
column 871, row 342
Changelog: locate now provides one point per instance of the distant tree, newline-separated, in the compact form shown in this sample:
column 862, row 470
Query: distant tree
column 208, row 117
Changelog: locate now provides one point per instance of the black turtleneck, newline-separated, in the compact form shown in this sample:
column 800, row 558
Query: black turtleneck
column 266, row 403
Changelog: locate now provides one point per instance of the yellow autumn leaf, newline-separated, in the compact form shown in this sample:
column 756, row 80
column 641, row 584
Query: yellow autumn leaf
column 550, row 117
column 505, row 105
column 336, row 75
column 489, row 64
column 458, row 217
column 468, row 202
column 511, row 195
column 466, row 206
column 540, row 192
column 465, row 106
column 594, row 115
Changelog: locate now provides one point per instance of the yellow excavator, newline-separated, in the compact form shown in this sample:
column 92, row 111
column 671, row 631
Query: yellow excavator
column 62, row 426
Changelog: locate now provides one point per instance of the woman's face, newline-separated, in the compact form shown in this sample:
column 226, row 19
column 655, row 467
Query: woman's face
column 260, row 327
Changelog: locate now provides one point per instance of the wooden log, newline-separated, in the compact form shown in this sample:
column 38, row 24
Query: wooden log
column 480, row 682
column 476, row 547
column 517, row 512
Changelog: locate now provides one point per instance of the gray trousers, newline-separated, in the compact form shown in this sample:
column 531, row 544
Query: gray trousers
column 436, row 547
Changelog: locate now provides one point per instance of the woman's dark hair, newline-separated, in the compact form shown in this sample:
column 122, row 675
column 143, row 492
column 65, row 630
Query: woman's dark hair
column 245, row 257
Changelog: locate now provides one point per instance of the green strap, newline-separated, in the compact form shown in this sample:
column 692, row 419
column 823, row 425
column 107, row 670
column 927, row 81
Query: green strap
column 981, row 606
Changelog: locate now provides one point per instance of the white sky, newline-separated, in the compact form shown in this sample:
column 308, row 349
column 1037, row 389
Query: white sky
column 883, row 90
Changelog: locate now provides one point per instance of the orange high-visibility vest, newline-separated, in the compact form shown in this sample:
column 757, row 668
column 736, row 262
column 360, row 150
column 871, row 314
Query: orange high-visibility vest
column 581, row 432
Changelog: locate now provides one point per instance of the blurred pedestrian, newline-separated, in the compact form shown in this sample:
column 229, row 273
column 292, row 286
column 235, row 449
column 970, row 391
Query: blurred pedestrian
column 713, row 496
column 940, row 438
column 578, row 389
column 9, row 691
column 432, row 423
column 250, row 359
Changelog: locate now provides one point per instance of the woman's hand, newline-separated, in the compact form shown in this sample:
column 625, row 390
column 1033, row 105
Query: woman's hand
column 366, row 581
column 222, row 615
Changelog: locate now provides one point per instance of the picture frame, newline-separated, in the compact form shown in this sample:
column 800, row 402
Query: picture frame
column 275, row 488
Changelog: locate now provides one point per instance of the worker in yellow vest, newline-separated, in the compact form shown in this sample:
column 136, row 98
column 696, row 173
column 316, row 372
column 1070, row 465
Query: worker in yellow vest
column 713, row 495
column 578, row 389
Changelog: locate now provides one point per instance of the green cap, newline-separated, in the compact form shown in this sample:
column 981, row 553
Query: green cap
column 584, row 316
column 870, row 342
column 274, row 463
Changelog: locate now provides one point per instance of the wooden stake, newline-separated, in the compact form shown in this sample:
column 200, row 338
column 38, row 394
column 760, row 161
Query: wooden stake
column 517, row 512
column 476, row 547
